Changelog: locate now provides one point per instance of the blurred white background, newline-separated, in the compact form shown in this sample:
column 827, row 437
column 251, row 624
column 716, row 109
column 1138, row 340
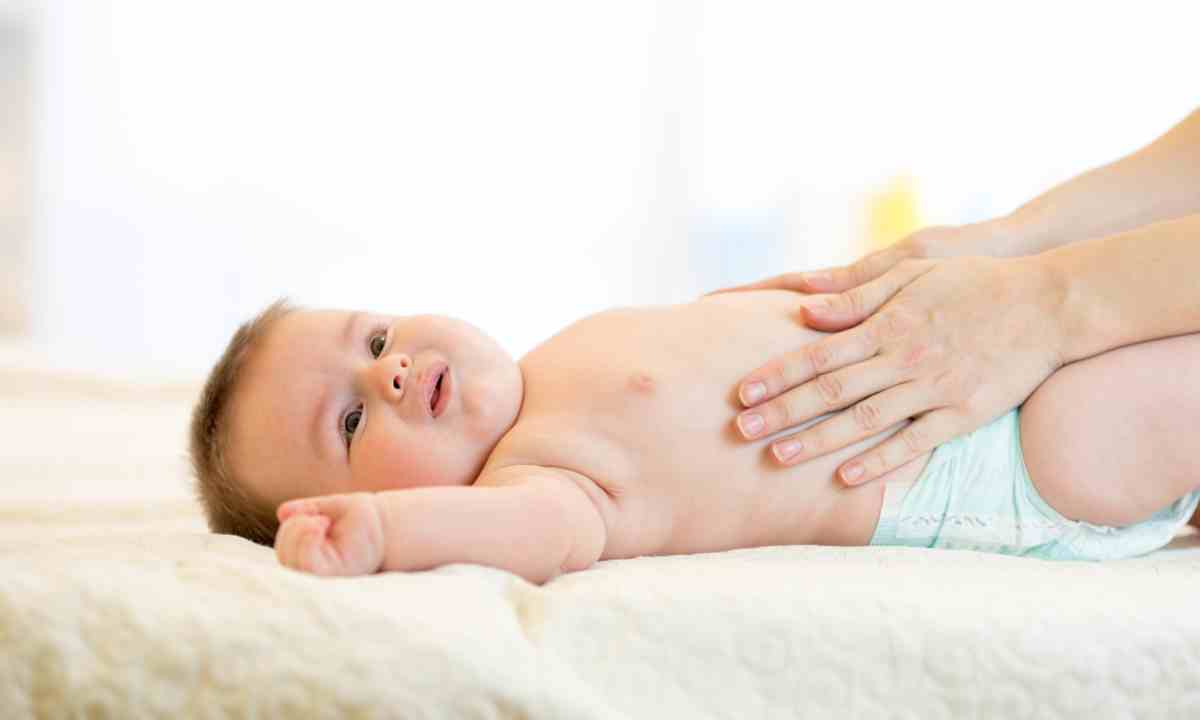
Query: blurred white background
column 167, row 168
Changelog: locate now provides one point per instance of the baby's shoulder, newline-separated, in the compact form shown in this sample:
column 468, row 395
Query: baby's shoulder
column 564, row 444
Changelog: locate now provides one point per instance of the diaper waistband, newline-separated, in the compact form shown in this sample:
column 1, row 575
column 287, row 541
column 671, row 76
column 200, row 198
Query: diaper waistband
column 893, row 499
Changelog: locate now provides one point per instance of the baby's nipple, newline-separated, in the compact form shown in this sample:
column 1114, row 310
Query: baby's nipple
column 641, row 383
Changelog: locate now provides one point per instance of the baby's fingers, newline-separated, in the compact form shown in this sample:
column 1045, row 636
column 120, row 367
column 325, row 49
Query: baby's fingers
column 299, row 542
column 318, row 555
column 301, row 506
column 333, row 506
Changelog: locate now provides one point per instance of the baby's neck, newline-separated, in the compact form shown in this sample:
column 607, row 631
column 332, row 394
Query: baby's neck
column 495, row 457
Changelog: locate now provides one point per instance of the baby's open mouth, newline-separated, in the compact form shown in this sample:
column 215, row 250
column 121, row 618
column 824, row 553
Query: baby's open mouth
column 438, row 391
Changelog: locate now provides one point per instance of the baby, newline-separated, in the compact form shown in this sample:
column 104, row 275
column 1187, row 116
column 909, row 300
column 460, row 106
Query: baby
column 357, row 443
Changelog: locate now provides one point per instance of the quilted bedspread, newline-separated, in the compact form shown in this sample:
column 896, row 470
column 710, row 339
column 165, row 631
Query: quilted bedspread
column 114, row 602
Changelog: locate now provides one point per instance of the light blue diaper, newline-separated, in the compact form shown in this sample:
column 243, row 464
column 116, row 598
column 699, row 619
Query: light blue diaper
column 975, row 494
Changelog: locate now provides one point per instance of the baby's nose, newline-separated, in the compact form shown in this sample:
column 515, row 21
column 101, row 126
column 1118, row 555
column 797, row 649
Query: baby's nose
column 392, row 373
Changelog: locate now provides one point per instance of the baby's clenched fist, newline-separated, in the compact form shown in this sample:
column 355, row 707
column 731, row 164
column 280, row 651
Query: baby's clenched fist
column 331, row 534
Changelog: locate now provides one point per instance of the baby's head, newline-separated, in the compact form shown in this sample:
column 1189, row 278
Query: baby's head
column 307, row 403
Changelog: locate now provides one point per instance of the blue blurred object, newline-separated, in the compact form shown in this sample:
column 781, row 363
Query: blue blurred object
column 733, row 247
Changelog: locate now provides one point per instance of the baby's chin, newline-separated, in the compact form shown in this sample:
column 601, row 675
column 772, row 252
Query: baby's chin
column 492, row 401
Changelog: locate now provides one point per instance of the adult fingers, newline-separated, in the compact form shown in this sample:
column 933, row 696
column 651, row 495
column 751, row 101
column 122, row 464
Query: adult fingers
column 833, row 279
column 847, row 309
column 864, row 270
column 924, row 434
column 786, row 281
column 799, row 366
column 866, row 418
column 823, row 394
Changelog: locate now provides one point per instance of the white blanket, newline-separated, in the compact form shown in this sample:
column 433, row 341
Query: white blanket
column 115, row 603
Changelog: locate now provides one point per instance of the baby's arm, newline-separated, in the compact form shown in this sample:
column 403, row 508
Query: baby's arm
column 536, row 522
column 1112, row 439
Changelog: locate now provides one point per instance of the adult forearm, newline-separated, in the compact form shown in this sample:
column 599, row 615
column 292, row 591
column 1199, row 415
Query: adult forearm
column 1126, row 288
column 1159, row 182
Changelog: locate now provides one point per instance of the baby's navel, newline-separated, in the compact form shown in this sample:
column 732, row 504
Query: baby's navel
column 641, row 383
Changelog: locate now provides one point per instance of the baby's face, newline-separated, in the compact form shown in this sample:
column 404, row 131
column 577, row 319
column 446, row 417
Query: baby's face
column 335, row 402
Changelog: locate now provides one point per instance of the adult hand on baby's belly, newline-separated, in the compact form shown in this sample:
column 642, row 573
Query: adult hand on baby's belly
column 952, row 343
column 331, row 535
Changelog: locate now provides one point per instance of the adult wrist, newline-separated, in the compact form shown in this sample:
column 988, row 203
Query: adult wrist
column 991, row 238
column 1059, row 294
column 1011, row 235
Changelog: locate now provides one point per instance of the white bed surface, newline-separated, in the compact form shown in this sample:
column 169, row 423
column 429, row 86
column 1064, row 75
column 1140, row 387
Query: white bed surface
column 115, row 602
column 190, row 623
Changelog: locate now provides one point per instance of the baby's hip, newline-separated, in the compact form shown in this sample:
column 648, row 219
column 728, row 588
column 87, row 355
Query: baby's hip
column 975, row 493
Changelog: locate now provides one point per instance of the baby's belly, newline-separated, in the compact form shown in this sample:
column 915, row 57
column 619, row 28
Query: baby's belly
column 705, row 489
column 643, row 404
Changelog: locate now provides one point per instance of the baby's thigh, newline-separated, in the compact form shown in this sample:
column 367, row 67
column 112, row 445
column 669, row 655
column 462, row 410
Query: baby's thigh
column 1110, row 439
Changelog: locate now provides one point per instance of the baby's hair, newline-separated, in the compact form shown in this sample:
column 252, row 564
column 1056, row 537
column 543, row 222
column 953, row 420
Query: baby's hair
column 230, row 508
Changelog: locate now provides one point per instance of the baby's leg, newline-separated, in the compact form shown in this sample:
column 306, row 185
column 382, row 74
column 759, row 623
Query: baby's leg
column 1111, row 439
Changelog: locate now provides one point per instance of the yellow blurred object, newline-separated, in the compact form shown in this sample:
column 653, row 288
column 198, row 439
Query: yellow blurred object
column 892, row 213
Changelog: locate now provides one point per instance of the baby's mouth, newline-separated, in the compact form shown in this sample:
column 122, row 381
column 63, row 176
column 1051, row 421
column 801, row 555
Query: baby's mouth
column 438, row 390
column 437, row 393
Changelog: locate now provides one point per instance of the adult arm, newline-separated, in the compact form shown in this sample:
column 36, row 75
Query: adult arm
column 1137, row 285
column 1158, row 182
column 954, row 343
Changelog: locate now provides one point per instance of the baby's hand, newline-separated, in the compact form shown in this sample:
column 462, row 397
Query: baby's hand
column 331, row 534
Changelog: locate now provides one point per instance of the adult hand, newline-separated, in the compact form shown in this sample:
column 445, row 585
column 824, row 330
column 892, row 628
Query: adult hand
column 938, row 241
column 951, row 343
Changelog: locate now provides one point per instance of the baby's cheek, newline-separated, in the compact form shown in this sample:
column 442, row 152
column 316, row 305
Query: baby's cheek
column 399, row 459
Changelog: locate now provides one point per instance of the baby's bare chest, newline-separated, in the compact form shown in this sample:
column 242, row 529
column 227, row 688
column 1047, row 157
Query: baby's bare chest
column 652, row 423
column 634, row 427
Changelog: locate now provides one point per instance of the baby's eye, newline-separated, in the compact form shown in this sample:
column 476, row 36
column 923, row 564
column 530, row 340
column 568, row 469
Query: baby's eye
column 350, row 423
column 378, row 341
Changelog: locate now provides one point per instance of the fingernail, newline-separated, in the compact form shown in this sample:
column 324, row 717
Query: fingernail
column 753, row 392
column 750, row 425
column 820, row 307
column 818, row 302
column 851, row 473
column 787, row 449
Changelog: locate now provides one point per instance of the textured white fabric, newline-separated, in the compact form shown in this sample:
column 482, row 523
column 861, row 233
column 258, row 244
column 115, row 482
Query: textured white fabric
column 115, row 603
column 166, row 625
